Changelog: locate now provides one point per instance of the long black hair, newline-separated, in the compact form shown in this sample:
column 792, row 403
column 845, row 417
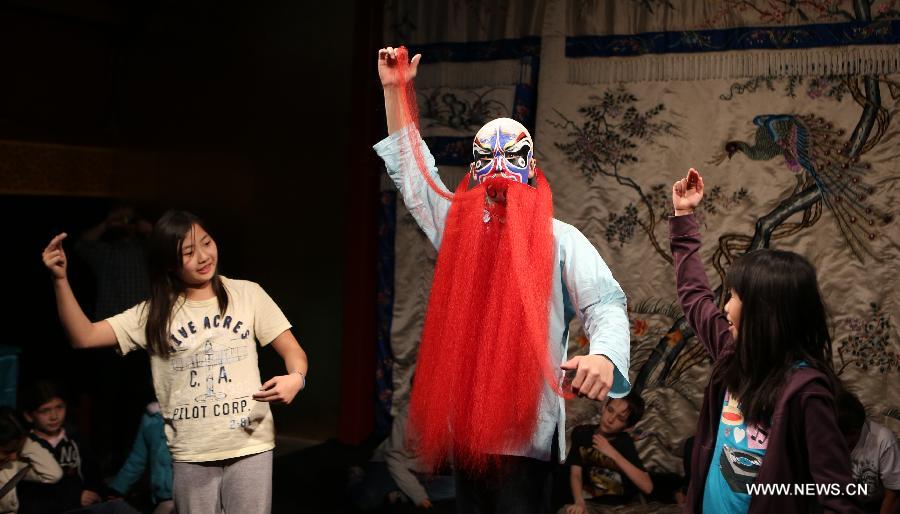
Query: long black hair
column 851, row 412
column 12, row 426
column 782, row 323
column 164, row 262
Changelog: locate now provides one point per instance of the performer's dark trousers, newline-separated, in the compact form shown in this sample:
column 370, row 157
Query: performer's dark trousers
column 520, row 485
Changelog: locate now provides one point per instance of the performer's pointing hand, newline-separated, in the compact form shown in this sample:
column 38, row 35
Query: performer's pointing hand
column 593, row 375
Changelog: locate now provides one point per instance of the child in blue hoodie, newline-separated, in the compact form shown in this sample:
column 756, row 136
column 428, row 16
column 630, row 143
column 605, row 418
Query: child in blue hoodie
column 149, row 449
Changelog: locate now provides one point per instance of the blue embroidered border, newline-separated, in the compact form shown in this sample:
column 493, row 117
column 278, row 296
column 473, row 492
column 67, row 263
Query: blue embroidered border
column 882, row 32
column 387, row 226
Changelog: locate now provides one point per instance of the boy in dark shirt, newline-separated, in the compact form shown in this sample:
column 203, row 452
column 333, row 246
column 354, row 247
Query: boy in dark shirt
column 605, row 466
column 80, row 486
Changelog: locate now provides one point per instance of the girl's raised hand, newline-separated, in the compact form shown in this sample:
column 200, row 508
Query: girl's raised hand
column 687, row 193
column 55, row 257
column 387, row 67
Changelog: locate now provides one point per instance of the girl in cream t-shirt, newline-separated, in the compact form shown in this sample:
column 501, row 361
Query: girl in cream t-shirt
column 201, row 330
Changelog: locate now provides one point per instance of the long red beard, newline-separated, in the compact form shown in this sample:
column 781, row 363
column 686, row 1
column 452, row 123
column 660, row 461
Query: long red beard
column 484, row 358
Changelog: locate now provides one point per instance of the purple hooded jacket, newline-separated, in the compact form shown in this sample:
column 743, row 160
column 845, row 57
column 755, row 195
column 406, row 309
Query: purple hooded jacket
column 805, row 445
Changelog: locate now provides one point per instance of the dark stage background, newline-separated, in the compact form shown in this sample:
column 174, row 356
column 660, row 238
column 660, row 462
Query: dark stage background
column 239, row 113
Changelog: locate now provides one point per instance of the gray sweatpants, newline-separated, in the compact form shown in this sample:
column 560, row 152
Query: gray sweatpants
column 236, row 486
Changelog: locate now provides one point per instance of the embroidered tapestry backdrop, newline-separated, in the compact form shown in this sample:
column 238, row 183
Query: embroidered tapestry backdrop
column 788, row 109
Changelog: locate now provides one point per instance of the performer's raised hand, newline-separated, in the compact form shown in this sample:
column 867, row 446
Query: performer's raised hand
column 388, row 71
column 593, row 375
column 393, row 75
column 687, row 193
column 55, row 257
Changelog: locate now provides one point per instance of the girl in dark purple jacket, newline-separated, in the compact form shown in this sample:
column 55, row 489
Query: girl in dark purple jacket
column 767, row 438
